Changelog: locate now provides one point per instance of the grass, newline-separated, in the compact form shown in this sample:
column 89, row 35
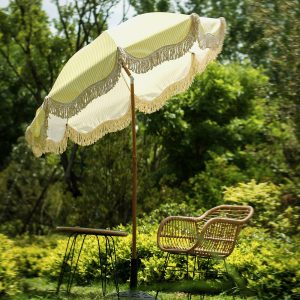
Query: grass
column 40, row 288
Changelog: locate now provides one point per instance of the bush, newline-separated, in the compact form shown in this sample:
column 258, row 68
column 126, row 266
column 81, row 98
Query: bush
column 206, row 187
column 273, row 210
column 264, row 197
column 270, row 266
column 8, row 267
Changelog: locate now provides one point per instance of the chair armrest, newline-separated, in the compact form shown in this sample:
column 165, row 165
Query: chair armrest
column 218, row 236
column 177, row 234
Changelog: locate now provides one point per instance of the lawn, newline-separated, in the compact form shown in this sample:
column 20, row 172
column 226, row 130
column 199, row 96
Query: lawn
column 40, row 288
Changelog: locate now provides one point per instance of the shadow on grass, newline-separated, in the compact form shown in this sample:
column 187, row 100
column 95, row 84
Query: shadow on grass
column 201, row 288
column 39, row 288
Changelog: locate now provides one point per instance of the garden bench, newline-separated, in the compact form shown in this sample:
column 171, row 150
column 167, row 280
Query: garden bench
column 74, row 233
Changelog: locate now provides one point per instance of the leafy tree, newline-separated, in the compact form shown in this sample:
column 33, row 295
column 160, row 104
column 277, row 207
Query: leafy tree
column 105, row 182
column 25, row 56
column 224, row 130
column 204, row 118
column 23, row 189
column 267, row 33
column 242, row 31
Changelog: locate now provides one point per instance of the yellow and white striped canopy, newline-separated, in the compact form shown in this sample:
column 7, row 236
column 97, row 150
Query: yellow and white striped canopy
column 91, row 96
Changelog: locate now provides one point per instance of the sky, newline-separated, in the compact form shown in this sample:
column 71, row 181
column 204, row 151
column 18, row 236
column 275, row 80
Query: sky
column 51, row 10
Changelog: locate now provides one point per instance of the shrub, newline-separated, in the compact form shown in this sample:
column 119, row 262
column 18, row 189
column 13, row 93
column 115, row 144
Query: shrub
column 264, row 197
column 272, row 209
column 206, row 187
column 270, row 266
column 8, row 268
column 149, row 222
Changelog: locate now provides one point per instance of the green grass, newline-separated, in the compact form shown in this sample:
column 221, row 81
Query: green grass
column 40, row 288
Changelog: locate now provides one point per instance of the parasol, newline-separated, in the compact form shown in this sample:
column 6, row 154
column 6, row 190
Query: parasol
column 137, row 65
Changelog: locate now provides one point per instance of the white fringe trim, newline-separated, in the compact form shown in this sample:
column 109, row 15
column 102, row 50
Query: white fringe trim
column 85, row 139
column 67, row 110
column 137, row 65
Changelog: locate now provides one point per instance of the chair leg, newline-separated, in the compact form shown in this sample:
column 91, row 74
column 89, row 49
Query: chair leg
column 65, row 260
column 194, row 267
column 225, row 265
column 199, row 274
column 105, row 268
column 226, row 268
column 71, row 263
column 189, row 295
column 207, row 267
column 163, row 272
column 187, row 266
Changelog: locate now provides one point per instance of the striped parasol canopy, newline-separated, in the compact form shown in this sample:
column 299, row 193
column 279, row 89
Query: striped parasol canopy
column 91, row 96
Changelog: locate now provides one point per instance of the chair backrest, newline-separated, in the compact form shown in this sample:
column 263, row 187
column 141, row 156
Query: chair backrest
column 219, row 228
column 236, row 212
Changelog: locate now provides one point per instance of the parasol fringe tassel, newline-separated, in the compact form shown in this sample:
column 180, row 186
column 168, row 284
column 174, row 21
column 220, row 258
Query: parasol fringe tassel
column 85, row 139
column 41, row 146
column 67, row 110
column 137, row 65
column 184, row 84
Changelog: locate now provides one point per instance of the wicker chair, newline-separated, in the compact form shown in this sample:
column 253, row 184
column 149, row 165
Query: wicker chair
column 212, row 235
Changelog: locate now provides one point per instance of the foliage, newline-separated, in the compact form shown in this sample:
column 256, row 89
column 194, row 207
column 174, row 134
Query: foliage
column 105, row 182
column 24, row 186
column 223, row 110
column 25, row 53
column 264, row 197
column 266, row 33
column 267, row 265
column 227, row 128
column 32, row 51
column 271, row 208
column 8, row 267
column 263, row 31
column 206, row 187
column 147, row 222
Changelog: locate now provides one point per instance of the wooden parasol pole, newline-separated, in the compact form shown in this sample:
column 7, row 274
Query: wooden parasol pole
column 134, row 260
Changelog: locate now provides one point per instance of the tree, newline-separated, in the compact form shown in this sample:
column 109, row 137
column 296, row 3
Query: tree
column 202, row 119
column 26, row 57
column 267, row 33
column 24, row 186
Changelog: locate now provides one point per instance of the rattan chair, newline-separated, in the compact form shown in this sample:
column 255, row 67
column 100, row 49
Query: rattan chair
column 212, row 235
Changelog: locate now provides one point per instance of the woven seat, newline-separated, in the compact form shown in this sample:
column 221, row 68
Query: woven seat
column 212, row 235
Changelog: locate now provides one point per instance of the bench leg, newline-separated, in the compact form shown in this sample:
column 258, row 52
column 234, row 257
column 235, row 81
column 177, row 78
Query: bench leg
column 103, row 280
column 66, row 258
column 112, row 251
column 72, row 274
